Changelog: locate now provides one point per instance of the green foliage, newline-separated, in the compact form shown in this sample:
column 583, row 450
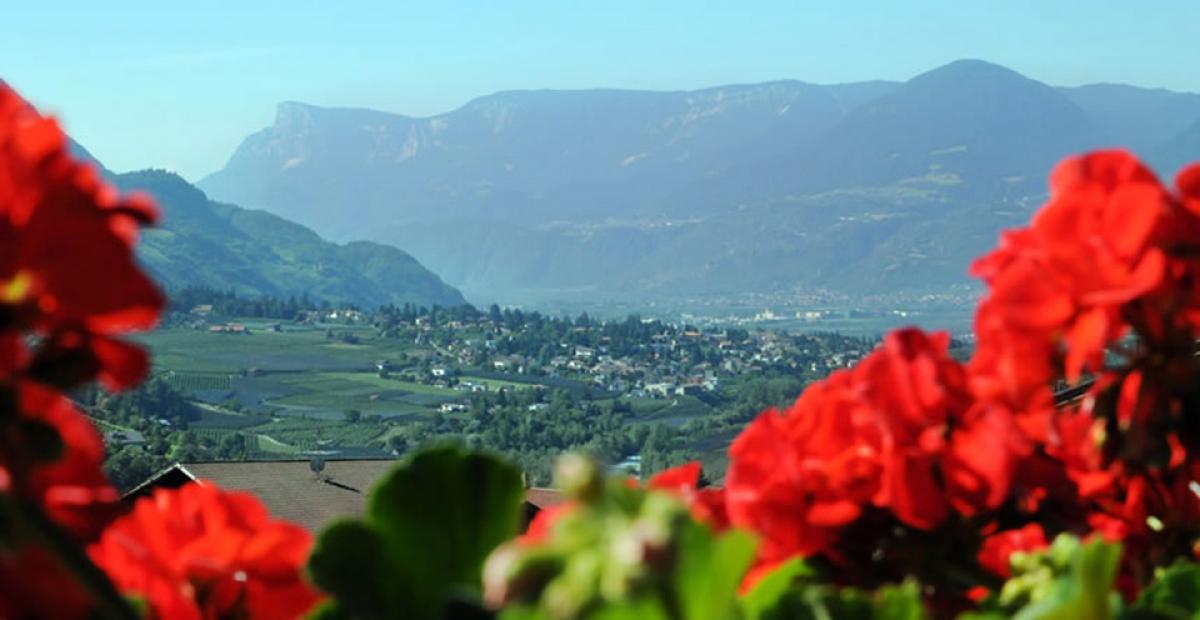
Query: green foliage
column 709, row 571
column 791, row 592
column 763, row 601
column 818, row 602
column 624, row 552
column 132, row 465
column 1071, row 580
column 1174, row 595
column 429, row 525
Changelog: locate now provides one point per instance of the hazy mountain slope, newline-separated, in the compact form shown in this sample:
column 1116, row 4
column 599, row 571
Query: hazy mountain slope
column 969, row 126
column 254, row 252
column 1141, row 119
column 1178, row 151
column 523, row 156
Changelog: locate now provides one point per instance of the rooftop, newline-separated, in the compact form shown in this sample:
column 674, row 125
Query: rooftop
column 292, row 491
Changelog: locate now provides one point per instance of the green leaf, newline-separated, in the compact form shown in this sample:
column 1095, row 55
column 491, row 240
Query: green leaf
column 902, row 602
column 328, row 610
column 346, row 563
column 789, row 593
column 1086, row 591
column 768, row 593
column 824, row 603
column 1174, row 595
column 429, row 526
column 522, row 612
column 709, row 571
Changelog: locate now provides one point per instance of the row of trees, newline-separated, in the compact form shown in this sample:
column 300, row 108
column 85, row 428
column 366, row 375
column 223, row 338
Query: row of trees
column 534, row 427
column 161, row 416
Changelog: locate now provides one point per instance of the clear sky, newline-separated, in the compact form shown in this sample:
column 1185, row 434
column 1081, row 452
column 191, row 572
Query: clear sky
column 178, row 84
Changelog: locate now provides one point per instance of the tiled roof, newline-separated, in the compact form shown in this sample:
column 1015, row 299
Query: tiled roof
column 543, row 498
column 291, row 490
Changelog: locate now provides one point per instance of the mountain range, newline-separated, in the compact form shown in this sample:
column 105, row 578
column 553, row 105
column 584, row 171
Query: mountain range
column 254, row 253
column 785, row 188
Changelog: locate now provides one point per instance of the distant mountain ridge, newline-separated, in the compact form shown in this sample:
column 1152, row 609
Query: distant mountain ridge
column 548, row 150
column 783, row 187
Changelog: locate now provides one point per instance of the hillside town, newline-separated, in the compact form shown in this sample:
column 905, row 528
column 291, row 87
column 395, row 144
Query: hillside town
column 642, row 358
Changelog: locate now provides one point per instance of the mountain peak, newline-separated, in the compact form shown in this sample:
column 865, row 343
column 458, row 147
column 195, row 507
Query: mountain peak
column 968, row 70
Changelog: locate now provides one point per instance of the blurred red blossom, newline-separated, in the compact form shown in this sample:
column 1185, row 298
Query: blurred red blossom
column 707, row 504
column 997, row 548
column 200, row 552
column 69, row 286
column 1091, row 249
column 68, row 275
column 66, row 237
column 900, row 432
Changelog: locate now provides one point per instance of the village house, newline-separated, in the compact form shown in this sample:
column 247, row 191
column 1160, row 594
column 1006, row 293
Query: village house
column 124, row 437
column 659, row 390
column 228, row 328
column 345, row 314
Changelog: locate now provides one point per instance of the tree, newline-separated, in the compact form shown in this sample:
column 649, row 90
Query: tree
column 352, row 415
column 232, row 447
column 398, row 444
column 131, row 466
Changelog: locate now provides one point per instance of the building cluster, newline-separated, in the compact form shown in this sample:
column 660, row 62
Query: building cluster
column 668, row 363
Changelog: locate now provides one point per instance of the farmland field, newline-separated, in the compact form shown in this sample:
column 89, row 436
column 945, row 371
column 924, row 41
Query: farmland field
column 285, row 391
column 186, row 350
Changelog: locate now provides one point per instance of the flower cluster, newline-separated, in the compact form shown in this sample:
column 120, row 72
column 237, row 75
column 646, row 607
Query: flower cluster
column 1104, row 283
column 201, row 552
column 70, row 283
column 70, row 287
column 899, row 435
column 911, row 444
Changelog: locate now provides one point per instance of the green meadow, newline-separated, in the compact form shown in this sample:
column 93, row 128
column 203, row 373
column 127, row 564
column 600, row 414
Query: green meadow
column 293, row 391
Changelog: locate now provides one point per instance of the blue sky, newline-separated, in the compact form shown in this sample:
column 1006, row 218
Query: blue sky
column 178, row 85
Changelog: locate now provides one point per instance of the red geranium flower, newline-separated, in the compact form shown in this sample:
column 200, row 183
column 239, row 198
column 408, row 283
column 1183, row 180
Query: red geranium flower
column 796, row 478
column 706, row 504
column 1093, row 248
column 542, row 525
column 998, row 548
column 68, row 275
column 943, row 451
column 34, row 584
column 200, row 552
column 900, row 432
column 72, row 487
column 69, row 283
column 66, row 257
